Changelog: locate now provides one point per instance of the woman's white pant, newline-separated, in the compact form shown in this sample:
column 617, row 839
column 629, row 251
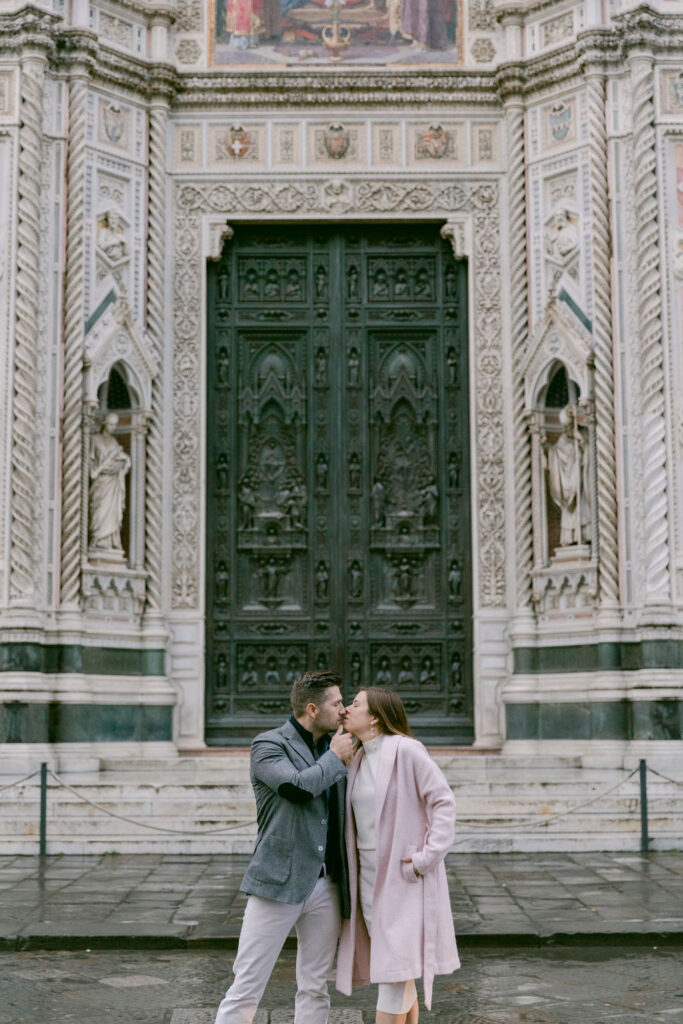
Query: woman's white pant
column 265, row 927
column 392, row 996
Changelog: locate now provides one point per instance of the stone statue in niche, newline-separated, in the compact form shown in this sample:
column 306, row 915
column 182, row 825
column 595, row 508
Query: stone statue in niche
column 321, row 368
column 321, row 471
column 222, row 583
column 355, row 580
column 322, row 577
column 454, row 580
column 354, row 472
column 384, row 674
column 109, row 465
column 110, row 237
column 223, row 367
column 354, row 368
column 568, row 479
column 427, row 672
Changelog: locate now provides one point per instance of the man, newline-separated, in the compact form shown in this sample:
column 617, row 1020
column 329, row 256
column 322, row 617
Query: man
column 298, row 876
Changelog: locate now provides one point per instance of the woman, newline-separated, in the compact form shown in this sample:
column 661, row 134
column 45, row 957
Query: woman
column 400, row 825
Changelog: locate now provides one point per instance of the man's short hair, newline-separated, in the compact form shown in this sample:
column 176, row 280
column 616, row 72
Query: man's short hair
column 310, row 687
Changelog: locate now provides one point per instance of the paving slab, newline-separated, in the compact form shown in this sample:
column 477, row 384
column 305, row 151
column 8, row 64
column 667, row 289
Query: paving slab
column 148, row 900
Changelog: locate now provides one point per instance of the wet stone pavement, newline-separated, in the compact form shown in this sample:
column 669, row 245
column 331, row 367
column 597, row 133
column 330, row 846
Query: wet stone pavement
column 151, row 901
column 594, row 986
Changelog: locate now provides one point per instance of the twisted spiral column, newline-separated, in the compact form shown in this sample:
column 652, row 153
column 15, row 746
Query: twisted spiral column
column 607, row 516
column 72, row 414
column 520, row 329
column 657, row 557
column 23, row 511
column 156, row 256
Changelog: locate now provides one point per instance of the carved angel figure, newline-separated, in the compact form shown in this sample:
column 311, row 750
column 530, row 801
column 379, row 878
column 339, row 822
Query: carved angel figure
column 110, row 238
column 109, row 464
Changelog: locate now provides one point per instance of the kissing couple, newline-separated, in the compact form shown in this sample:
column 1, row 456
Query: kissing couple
column 352, row 836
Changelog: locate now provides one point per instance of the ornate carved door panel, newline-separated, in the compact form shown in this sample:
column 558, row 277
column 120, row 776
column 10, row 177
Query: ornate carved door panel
column 338, row 473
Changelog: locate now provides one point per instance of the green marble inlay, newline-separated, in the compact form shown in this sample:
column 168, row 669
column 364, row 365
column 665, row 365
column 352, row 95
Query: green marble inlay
column 62, row 658
column 599, row 720
column 623, row 656
column 23, row 722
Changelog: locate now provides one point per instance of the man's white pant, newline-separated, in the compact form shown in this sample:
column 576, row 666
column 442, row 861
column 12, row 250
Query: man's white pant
column 265, row 927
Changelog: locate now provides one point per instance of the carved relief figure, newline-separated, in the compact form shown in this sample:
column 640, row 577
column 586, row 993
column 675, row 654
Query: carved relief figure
column 454, row 580
column 272, row 286
column 456, row 676
column 354, row 368
column 377, row 502
column 322, row 577
column 384, row 674
column 110, row 239
column 247, row 500
column 429, row 497
column 293, row 669
column 568, row 480
column 221, row 672
column 454, row 470
column 222, row 473
column 271, row 573
column 352, row 282
column 109, row 464
column 354, row 472
column 223, row 366
column 405, row 674
column 562, row 236
column 250, row 675
column 355, row 669
column 272, row 676
column 320, row 283
column 452, row 364
column 222, row 579
column 250, row 287
column 321, row 368
column 355, row 580
column 321, row 470
column 380, row 284
column 427, row 671
column 293, row 288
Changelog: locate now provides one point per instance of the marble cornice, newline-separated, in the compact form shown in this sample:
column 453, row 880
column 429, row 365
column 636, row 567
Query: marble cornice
column 30, row 28
column 401, row 89
column 647, row 29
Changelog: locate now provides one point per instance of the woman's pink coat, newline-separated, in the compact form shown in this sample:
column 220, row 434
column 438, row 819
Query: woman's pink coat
column 412, row 922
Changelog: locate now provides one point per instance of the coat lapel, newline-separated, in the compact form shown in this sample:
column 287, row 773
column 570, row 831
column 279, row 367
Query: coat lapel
column 297, row 742
column 387, row 756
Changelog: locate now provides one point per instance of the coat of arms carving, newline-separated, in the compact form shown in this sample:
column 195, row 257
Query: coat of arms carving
column 114, row 123
column 235, row 143
column 336, row 140
column 434, row 143
column 560, row 121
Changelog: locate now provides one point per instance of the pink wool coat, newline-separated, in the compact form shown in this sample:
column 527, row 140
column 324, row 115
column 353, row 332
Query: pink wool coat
column 412, row 923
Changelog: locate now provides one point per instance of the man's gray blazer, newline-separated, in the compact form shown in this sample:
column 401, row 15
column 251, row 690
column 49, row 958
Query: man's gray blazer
column 292, row 832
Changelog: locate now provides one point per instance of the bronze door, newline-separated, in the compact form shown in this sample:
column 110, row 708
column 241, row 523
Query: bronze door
column 338, row 529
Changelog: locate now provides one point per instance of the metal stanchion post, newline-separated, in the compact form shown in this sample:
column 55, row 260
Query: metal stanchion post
column 43, row 809
column 644, row 838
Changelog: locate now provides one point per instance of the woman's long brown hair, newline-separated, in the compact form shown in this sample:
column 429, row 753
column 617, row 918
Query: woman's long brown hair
column 388, row 709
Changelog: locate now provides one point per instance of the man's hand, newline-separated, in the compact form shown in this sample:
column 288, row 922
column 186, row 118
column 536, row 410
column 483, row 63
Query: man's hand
column 342, row 745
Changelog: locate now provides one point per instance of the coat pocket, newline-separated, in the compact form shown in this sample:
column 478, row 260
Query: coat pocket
column 407, row 869
column 272, row 861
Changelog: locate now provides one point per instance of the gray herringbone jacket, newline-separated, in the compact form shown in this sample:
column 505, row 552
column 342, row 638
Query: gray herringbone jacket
column 290, row 847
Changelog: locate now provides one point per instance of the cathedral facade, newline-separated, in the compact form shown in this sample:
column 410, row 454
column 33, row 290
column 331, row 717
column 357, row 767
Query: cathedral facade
column 341, row 335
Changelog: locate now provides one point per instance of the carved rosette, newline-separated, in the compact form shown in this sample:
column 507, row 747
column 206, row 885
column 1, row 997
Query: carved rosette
column 657, row 555
column 349, row 198
column 74, row 528
column 23, row 512
column 605, row 484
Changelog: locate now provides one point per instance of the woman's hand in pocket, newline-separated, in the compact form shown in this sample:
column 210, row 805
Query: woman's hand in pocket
column 409, row 860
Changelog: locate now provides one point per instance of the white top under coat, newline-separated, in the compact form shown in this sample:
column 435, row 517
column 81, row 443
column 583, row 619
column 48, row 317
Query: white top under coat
column 363, row 795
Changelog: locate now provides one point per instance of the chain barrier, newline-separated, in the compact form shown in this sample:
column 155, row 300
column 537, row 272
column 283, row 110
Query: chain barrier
column 145, row 824
column 536, row 822
column 19, row 781
column 674, row 782
column 549, row 818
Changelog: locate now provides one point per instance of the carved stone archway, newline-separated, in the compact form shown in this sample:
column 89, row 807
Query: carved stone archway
column 471, row 208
